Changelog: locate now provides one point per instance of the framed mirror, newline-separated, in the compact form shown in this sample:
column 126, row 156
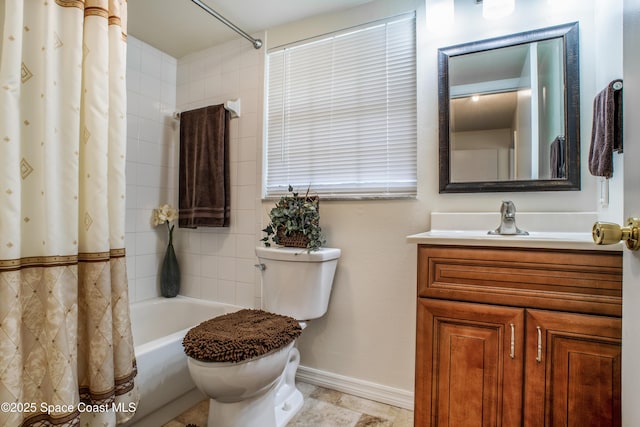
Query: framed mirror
column 509, row 113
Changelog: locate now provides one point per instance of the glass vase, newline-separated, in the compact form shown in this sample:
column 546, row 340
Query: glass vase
column 170, row 274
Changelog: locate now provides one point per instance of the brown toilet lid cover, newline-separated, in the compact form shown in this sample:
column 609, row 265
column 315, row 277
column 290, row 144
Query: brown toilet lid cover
column 239, row 336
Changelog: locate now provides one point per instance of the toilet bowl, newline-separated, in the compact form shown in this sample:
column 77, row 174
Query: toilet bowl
column 261, row 391
column 245, row 393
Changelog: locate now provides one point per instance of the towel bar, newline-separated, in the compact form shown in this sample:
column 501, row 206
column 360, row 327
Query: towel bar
column 232, row 106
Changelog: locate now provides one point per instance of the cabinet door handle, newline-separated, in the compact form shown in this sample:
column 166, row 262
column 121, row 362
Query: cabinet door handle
column 539, row 356
column 512, row 353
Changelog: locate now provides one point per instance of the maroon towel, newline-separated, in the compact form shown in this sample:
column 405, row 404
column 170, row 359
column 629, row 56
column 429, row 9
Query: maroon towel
column 606, row 132
column 204, row 168
column 556, row 161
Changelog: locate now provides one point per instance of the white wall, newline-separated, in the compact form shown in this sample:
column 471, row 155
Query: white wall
column 609, row 66
column 482, row 155
column 599, row 40
column 631, row 260
column 151, row 167
column 218, row 263
column 369, row 330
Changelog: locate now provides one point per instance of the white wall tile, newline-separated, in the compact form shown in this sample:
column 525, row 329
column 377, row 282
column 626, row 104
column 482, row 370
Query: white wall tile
column 182, row 96
column 248, row 126
column 132, row 288
column 151, row 96
column 245, row 197
column 191, row 286
column 190, row 264
column 247, row 173
column 227, row 245
column 133, row 54
column 227, row 292
column 247, row 149
column 210, row 244
column 209, row 289
column 210, row 266
column 147, row 243
column 147, row 265
column 245, row 222
column 246, row 247
column 210, row 77
column 150, row 130
column 143, row 215
column 146, row 288
column 212, row 87
column 150, row 153
column 133, row 103
column 231, row 85
column 151, row 62
column 131, row 267
column 246, row 272
column 150, row 87
column 245, row 296
column 148, row 175
column 249, row 79
column 196, row 90
column 169, row 70
column 190, row 241
column 227, row 268
column 133, row 80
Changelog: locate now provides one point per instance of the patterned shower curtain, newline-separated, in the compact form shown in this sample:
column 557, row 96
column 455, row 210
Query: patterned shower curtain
column 66, row 351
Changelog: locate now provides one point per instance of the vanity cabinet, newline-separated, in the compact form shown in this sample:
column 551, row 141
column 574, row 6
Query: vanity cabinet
column 518, row 337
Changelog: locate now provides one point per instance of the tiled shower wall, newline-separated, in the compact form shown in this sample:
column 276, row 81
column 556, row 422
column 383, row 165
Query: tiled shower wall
column 216, row 263
column 152, row 150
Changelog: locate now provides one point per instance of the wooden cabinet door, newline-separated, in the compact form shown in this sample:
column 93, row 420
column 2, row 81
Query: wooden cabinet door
column 572, row 372
column 469, row 364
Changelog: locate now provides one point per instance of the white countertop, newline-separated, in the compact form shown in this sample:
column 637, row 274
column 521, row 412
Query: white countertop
column 548, row 240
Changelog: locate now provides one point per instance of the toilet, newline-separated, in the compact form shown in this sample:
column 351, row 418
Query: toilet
column 246, row 389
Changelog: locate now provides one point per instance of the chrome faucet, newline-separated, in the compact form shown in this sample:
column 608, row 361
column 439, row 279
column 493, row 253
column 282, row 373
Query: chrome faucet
column 508, row 220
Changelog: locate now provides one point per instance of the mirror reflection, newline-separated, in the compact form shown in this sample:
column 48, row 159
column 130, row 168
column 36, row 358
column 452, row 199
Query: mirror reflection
column 505, row 116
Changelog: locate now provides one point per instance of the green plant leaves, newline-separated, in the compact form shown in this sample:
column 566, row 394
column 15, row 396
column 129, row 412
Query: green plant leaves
column 293, row 215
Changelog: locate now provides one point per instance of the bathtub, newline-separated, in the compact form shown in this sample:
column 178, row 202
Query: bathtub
column 158, row 327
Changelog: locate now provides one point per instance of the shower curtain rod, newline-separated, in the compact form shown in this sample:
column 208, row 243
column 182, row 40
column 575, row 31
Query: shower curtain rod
column 257, row 43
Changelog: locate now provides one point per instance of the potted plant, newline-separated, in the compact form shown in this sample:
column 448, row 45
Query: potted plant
column 295, row 222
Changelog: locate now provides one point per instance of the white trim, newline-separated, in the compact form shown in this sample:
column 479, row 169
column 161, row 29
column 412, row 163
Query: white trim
column 361, row 388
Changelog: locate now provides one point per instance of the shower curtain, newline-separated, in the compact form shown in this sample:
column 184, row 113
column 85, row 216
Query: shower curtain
column 66, row 351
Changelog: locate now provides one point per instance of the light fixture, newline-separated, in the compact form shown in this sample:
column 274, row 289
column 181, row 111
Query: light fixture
column 495, row 9
column 475, row 98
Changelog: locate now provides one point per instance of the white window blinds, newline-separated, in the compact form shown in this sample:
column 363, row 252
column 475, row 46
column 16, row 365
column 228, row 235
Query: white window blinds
column 341, row 113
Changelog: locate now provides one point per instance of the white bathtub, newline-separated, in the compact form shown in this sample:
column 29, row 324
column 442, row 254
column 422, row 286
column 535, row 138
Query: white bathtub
column 158, row 326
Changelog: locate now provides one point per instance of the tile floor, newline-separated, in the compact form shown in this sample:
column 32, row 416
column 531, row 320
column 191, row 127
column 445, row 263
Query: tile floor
column 322, row 408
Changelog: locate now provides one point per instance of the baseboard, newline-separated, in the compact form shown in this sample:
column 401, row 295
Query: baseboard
column 365, row 389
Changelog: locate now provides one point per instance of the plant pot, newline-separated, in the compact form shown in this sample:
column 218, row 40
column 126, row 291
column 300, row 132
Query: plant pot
column 293, row 240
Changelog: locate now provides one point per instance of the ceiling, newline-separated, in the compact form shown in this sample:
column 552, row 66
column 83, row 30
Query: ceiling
column 179, row 27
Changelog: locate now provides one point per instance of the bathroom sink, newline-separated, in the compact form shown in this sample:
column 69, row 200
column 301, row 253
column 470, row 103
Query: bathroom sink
column 551, row 240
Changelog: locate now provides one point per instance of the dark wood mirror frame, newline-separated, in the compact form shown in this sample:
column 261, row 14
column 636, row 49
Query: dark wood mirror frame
column 569, row 35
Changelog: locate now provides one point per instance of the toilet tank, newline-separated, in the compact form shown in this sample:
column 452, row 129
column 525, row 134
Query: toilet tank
column 295, row 282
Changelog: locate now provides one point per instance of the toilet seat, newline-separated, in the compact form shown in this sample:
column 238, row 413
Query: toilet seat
column 239, row 336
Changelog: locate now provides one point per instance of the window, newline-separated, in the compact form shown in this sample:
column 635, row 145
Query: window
column 341, row 113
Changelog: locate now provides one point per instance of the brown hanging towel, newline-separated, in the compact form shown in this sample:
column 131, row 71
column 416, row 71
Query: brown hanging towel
column 606, row 133
column 204, row 168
